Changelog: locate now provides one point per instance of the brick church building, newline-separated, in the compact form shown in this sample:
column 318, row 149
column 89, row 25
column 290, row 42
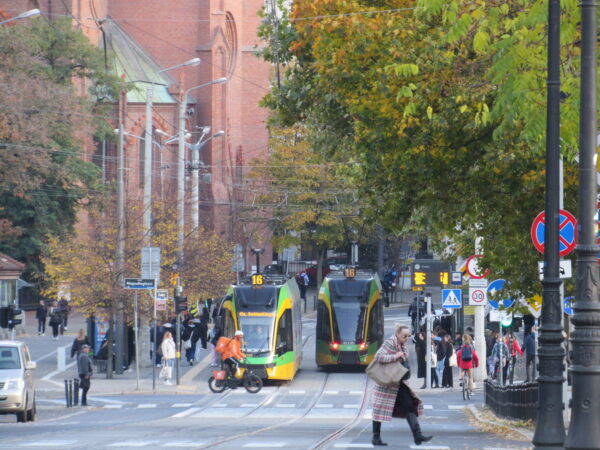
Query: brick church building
column 142, row 39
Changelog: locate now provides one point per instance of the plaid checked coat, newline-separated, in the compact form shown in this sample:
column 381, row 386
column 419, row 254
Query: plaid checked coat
column 384, row 397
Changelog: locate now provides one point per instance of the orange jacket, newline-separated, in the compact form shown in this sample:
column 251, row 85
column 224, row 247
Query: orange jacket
column 233, row 349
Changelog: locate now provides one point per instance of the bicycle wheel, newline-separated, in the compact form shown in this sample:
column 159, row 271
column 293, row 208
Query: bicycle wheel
column 253, row 383
column 217, row 386
column 465, row 389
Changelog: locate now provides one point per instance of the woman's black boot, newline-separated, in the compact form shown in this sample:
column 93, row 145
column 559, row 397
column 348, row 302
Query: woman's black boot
column 413, row 422
column 377, row 434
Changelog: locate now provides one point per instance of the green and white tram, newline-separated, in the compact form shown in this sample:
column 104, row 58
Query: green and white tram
column 349, row 319
column 268, row 310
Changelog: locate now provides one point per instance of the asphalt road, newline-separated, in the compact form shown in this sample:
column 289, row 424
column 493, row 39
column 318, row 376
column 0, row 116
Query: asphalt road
column 316, row 410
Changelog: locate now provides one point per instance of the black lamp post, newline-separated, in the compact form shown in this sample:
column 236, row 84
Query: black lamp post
column 257, row 252
column 550, row 428
column 584, row 431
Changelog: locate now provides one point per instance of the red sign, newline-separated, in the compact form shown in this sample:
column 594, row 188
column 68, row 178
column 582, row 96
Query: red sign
column 473, row 268
column 567, row 229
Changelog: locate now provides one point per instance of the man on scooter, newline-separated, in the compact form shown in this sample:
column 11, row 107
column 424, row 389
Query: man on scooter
column 232, row 355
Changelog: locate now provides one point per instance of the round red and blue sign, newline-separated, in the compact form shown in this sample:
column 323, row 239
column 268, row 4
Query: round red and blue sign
column 567, row 228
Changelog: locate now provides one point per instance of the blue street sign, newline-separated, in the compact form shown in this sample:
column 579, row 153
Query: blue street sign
column 456, row 278
column 451, row 298
column 568, row 301
column 494, row 287
column 138, row 283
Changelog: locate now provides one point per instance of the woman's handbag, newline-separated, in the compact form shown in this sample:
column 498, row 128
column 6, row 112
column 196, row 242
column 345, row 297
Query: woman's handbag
column 187, row 344
column 452, row 361
column 390, row 374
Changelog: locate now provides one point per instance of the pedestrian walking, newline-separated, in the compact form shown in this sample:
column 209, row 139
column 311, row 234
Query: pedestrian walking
column 85, row 370
column 55, row 320
column 303, row 281
column 79, row 342
column 447, row 379
column 396, row 401
column 530, row 353
column 40, row 314
column 441, row 352
column 167, row 348
column 64, row 307
column 214, row 335
column 421, row 352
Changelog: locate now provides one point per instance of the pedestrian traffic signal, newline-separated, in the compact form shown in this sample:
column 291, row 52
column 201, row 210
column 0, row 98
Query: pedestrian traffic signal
column 13, row 312
column 4, row 317
column 181, row 304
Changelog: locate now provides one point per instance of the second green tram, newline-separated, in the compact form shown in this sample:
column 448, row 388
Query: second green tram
column 349, row 319
column 268, row 310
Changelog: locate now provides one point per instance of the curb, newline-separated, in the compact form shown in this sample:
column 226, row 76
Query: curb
column 525, row 434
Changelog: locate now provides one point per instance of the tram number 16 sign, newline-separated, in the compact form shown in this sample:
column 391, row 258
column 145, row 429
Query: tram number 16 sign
column 567, row 229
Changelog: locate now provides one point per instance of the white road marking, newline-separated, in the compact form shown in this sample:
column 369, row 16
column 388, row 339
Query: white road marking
column 456, row 406
column 249, row 405
column 351, row 406
column 147, row 405
column 324, row 405
column 186, row 413
column 297, row 392
column 220, row 405
column 112, row 406
column 184, row 444
column 285, row 405
column 47, row 443
column 331, row 392
column 427, row 406
column 351, row 445
column 132, row 444
column 356, row 392
column 264, row 445
column 432, row 447
column 181, row 405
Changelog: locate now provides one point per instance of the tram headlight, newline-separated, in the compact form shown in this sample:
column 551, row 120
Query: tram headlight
column 362, row 346
column 335, row 346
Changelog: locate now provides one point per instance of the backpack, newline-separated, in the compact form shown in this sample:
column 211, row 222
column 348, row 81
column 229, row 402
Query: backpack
column 467, row 353
column 222, row 344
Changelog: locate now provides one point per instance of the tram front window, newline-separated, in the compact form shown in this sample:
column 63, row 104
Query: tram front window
column 349, row 301
column 257, row 333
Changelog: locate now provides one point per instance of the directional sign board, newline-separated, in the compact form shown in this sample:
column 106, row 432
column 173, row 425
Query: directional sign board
column 477, row 296
column 138, row 283
column 494, row 287
column 568, row 301
column 564, row 271
column 567, row 228
column 451, row 298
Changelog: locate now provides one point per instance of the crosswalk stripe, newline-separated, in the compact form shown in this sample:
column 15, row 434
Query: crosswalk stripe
column 181, row 405
column 183, row 444
column 186, row 413
column 132, row 444
column 285, row 405
column 47, row 443
column 112, row 406
column 147, row 405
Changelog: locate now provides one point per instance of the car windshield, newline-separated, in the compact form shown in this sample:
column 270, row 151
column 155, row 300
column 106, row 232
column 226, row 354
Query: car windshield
column 349, row 299
column 9, row 358
column 257, row 332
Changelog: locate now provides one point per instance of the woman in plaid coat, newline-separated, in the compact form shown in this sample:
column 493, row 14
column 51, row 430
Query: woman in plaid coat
column 396, row 401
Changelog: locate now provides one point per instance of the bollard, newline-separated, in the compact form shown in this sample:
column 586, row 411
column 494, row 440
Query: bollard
column 305, row 302
column 75, row 391
column 67, row 397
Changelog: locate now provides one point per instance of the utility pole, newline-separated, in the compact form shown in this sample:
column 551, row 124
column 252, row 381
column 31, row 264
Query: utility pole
column 584, row 431
column 181, row 173
column 120, row 247
column 550, row 427
column 147, row 221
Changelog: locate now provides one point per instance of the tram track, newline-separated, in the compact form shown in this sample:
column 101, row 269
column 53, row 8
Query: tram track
column 234, row 437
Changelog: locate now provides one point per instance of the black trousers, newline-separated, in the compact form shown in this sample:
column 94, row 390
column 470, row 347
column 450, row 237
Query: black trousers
column 232, row 365
column 55, row 329
column 84, row 385
column 530, row 367
column 42, row 325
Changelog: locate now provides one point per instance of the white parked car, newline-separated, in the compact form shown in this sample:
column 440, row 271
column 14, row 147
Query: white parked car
column 17, row 392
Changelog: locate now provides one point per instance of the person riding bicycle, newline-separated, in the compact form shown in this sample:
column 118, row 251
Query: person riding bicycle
column 232, row 355
column 513, row 348
column 466, row 359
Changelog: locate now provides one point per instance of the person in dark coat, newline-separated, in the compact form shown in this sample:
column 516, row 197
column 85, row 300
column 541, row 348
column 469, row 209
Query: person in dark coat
column 447, row 380
column 55, row 320
column 191, row 334
column 420, row 341
column 40, row 314
column 78, row 343
column 84, row 368
column 396, row 401
column 63, row 305
column 530, row 353
column 441, row 352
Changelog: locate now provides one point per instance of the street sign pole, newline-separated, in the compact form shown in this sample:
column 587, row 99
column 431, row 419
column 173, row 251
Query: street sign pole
column 137, row 347
column 154, row 343
column 428, row 340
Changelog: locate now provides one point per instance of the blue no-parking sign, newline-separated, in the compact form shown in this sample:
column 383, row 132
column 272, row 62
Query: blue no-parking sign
column 494, row 287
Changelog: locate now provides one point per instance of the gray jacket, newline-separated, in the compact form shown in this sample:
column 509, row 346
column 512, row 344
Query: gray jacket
column 84, row 365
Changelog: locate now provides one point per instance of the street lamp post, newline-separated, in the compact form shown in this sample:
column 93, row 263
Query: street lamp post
column 147, row 218
column 550, row 428
column 195, row 166
column 181, row 166
column 23, row 15
column 584, row 431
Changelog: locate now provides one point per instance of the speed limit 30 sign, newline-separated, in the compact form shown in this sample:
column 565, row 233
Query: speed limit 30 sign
column 477, row 296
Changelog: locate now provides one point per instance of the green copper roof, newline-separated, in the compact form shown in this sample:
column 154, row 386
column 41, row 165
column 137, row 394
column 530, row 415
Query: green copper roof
column 139, row 68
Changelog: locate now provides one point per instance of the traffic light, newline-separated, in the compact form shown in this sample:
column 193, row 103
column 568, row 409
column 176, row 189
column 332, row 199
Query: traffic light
column 4, row 317
column 181, row 304
column 12, row 313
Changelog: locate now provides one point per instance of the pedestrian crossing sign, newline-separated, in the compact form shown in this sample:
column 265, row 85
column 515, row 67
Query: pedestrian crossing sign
column 451, row 298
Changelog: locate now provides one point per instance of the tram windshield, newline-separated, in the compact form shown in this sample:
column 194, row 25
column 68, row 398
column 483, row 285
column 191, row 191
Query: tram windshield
column 349, row 300
column 257, row 332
